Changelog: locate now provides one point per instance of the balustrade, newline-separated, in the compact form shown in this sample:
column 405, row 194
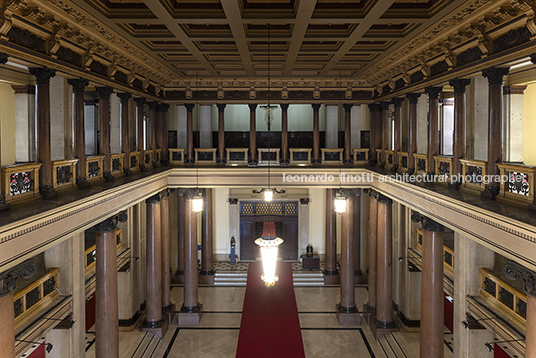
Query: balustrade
column 117, row 164
column 21, row 182
column 474, row 172
column 237, row 156
column 361, row 156
column 205, row 156
column 268, row 156
column 148, row 157
column 443, row 167
column 135, row 161
column 517, row 183
column 403, row 160
column 176, row 156
column 300, row 156
column 332, row 156
column 389, row 159
column 94, row 168
column 63, row 174
column 421, row 163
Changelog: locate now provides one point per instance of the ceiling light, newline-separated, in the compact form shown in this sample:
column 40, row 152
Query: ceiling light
column 269, row 244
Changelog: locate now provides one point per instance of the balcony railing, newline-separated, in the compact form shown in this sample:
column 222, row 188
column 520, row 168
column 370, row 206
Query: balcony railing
column 519, row 186
column 21, row 182
column 300, row 156
column 237, row 156
column 389, row 159
column 443, row 167
column 504, row 298
column 148, row 158
column 158, row 156
column 94, row 170
column 332, row 156
column 205, row 156
column 473, row 173
column 117, row 164
column 421, row 163
column 134, row 161
column 403, row 161
column 361, row 156
column 176, row 156
column 269, row 156
column 35, row 297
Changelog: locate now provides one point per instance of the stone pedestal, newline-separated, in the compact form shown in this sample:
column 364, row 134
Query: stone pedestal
column 347, row 319
column 190, row 319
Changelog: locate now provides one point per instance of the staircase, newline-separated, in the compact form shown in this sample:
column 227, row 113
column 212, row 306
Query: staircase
column 239, row 278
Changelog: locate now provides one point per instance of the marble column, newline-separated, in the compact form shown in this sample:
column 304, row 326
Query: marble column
column 104, row 143
column 79, row 129
column 140, row 138
column 495, row 81
column 207, row 241
column 432, row 311
column 375, row 132
column 412, row 146
column 370, row 306
column 397, row 129
column 385, row 131
column 106, row 291
column 125, row 131
column 162, row 132
column 151, row 131
column 383, row 322
column 189, row 160
column 154, row 321
column 348, row 155
column 181, row 217
column 42, row 81
column 252, row 161
column 347, row 309
column 315, row 160
column 284, row 155
column 168, row 308
column 458, row 148
column 359, row 279
column 191, row 310
column 331, row 273
column 25, row 270
column 221, row 134
column 433, row 127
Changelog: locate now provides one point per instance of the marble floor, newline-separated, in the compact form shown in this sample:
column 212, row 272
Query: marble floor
column 217, row 335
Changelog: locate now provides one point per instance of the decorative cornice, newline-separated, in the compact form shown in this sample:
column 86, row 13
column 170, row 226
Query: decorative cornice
column 514, row 271
column 104, row 92
column 152, row 105
column 459, row 84
column 495, row 74
column 413, row 97
column 79, row 84
column 514, row 89
column 42, row 75
column 8, row 279
column 23, row 89
column 111, row 223
column 155, row 199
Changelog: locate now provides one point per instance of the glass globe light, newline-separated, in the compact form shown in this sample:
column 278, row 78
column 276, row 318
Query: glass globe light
column 268, row 194
column 340, row 204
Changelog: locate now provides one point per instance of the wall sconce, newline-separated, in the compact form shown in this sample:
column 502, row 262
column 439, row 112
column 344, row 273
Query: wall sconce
column 489, row 345
column 465, row 323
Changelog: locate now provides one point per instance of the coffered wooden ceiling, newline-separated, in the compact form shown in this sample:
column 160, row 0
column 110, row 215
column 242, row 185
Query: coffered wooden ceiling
column 309, row 38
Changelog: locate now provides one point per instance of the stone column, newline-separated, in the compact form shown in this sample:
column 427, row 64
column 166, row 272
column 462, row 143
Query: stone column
column 207, row 237
column 458, row 148
column 370, row 306
column 495, row 80
column 24, row 123
column 221, row 134
column 397, row 129
column 384, row 322
column 151, row 131
column 181, row 217
column 331, row 274
column 385, row 131
column 284, row 155
column 162, row 132
column 359, row 279
column 375, row 132
column 140, row 139
column 42, row 82
column 347, row 309
column 316, row 135
column 154, row 321
column 125, row 132
column 348, row 159
column 104, row 143
column 7, row 287
column 106, row 292
column 412, row 147
column 189, row 134
column 79, row 130
column 252, row 135
column 433, row 126
column 191, row 310
column 432, row 320
column 168, row 308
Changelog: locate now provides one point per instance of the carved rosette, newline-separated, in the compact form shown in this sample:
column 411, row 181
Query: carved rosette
column 515, row 271
column 8, row 279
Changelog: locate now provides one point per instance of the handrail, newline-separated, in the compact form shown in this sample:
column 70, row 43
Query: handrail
column 35, row 296
column 205, row 156
column 503, row 297
column 63, row 174
column 389, row 159
column 300, row 156
column 268, row 151
column 134, row 161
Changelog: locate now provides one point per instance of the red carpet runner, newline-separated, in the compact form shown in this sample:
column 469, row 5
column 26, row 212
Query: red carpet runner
column 270, row 327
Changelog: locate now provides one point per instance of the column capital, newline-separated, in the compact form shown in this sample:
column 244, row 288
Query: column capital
column 42, row 74
column 373, row 194
column 375, row 107
column 8, row 279
column 155, row 199
column 78, row 84
column 284, row 107
column 221, row 107
column 189, row 106
column 124, row 97
column 385, row 105
column 514, row 271
column 459, row 84
column 162, row 107
column 495, row 74
column 233, row 201
column 426, row 223
column 152, row 105
column 189, row 193
column 3, row 58
column 316, row 107
column 433, row 92
column 382, row 199
column 347, row 107
column 164, row 194
column 413, row 97
column 111, row 223
column 140, row 101
column 397, row 101
column 252, row 107
column 104, row 92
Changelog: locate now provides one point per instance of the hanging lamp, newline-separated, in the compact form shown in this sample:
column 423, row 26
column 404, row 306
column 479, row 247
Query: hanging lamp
column 269, row 244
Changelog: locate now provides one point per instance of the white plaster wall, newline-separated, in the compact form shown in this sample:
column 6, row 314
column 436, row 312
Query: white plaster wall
column 205, row 130
column 115, row 124
column 332, row 126
column 478, row 113
column 422, row 124
column 180, row 123
column 513, row 128
column 223, row 225
column 90, row 114
column 448, row 129
column 356, row 126
column 59, row 107
column 7, row 124
column 317, row 221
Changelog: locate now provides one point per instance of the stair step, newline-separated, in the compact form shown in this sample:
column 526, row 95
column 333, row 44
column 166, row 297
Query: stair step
column 228, row 283
column 319, row 274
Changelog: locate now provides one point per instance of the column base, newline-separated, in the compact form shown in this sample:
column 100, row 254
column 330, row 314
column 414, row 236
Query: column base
column 372, row 162
column 127, row 171
column 143, row 168
column 206, row 279
column 220, row 162
column 285, row 163
column 410, row 171
column 128, row 325
column 47, row 191
column 190, row 318
column 394, row 169
column 164, row 162
column 332, row 280
column 159, row 330
column 316, row 163
column 169, row 312
column 348, row 163
column 108, row 176
column 155, row 165
column 380, row 329
column 350, row 318
column 252, row 163
column 382, row 164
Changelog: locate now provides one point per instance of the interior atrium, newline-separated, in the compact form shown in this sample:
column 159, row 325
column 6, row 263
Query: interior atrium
column 267, row 178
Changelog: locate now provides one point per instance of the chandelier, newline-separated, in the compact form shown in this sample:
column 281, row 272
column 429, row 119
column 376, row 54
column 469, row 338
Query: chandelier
column 269, row 244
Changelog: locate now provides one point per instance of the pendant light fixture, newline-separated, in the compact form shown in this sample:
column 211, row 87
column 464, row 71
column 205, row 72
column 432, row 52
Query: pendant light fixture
column 269, row 243
column 339, row 202
column 269, row 192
